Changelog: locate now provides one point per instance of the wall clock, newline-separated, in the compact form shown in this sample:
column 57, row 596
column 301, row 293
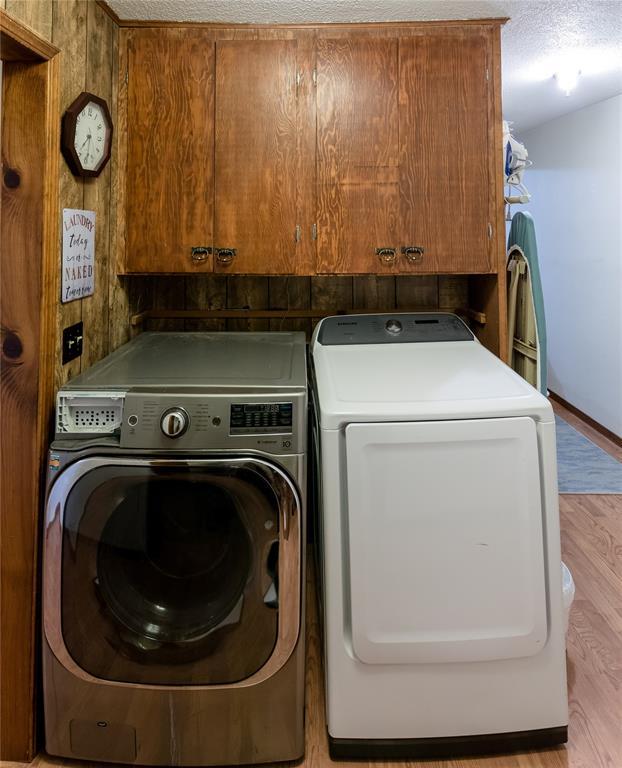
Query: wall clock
column 86, row 136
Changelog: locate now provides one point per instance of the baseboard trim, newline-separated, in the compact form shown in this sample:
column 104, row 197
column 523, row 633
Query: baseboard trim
column 587, row 419
column 446, row 747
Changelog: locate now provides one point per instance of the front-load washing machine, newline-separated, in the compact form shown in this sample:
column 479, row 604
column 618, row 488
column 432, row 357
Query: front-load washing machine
column 174, row 549
column 439, row 543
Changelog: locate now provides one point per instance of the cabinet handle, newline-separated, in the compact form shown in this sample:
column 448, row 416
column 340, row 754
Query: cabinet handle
column 386, row 255
column 413, row 252
column 200, row 253
column 225, row 256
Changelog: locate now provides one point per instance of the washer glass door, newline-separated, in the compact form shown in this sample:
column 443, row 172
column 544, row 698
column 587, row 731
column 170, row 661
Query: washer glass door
column 170, row 570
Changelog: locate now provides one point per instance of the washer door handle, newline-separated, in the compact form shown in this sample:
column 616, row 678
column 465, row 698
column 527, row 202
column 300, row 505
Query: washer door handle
column 286, row 508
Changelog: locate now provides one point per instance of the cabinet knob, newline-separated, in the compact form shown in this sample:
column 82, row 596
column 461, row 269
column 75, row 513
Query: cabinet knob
column 413, row 252
column 386, row 255
column 225, row 256
column 200, row 253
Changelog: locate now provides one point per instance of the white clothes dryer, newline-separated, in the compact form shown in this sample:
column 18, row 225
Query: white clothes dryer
column 439, row 543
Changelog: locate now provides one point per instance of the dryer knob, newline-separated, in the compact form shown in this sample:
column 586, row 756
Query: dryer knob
column 174, row 422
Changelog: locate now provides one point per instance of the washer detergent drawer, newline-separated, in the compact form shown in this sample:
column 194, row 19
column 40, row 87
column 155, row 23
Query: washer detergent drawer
column 445, row 541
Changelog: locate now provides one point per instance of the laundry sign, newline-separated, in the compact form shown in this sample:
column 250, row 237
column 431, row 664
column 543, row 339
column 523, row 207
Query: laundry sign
column 78, row 279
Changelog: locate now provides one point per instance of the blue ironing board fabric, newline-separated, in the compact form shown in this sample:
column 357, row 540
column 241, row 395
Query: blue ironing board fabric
column 523, row 234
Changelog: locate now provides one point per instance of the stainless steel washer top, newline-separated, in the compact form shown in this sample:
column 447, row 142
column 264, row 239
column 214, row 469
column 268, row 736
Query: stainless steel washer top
column 201, row 360
column 193, row 391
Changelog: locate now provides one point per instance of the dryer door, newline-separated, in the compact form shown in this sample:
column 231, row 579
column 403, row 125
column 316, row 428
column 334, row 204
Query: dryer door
column 170, row 571
column 446, row 552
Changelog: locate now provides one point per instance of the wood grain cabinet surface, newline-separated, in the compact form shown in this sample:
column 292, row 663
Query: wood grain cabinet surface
column 256, row 149
column 357, row 154
column 447, row 199
column 170, row 152
column 403, row 143
column 333, row 150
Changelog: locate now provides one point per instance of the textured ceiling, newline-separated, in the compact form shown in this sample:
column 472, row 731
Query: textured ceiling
column 541, row 36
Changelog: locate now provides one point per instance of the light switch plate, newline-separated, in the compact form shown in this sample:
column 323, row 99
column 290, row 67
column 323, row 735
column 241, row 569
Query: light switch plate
column 72, row 342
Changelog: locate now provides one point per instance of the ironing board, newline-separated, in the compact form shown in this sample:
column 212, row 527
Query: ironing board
column 526, row 320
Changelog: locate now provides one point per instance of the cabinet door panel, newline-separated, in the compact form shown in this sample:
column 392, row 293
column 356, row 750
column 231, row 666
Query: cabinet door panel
column 355, row 221
column 170, row 158
column 256, row 155
column 444, row 148
column 358, row 153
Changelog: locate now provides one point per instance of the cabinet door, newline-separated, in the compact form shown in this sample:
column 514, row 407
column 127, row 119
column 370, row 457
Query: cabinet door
column 357, row 154
column 256, row 157
column 170, row 152
column 444, row 150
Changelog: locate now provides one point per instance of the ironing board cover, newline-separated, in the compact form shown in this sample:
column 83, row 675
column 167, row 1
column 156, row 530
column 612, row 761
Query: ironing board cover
column 522, row 239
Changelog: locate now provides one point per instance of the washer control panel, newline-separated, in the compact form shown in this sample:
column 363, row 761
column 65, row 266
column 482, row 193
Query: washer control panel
column 190, row 421
column 260, row 418
column 407, row 327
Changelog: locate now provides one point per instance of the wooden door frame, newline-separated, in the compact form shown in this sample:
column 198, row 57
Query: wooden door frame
column 30, row 232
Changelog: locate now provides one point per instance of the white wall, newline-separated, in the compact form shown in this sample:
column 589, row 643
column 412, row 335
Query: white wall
column 576, row 189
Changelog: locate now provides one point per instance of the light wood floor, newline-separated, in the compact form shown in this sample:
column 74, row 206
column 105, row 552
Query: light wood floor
column 592, row 548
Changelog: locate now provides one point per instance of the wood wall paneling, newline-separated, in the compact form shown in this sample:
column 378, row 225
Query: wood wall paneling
column 36, row 14
column 118, row 286
column 483, row 293
column 118, row 229
column 331, row 292
column 206, row 292
column 70, row 34
column 374, row 293
column 290, row 293
column 256, row 151
column 171, row 293
column 22, row 43
column 127, row 296
column 417, row 291
column 453, row 292
column 246, row 292
column 170, row 160
column 97, row 193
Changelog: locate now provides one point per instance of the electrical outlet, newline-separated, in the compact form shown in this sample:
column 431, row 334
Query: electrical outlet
column 72, row 342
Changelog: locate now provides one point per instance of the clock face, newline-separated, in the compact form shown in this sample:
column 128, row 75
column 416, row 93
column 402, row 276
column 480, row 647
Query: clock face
column 91, row 137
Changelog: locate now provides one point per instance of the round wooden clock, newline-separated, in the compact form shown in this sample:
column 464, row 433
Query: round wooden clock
column 86, row 137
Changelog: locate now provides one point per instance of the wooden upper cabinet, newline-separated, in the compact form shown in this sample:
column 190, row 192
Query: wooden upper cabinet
column 257, row 227
column 357, row 154
column 170, row 152
column 403, row 144
column 303, row 151
column 444, row 149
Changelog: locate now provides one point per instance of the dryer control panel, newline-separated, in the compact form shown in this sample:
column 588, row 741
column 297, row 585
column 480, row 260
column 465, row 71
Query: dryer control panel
column 400, row 328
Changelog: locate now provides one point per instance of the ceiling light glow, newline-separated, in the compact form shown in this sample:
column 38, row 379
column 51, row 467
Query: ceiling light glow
column 567, row 79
